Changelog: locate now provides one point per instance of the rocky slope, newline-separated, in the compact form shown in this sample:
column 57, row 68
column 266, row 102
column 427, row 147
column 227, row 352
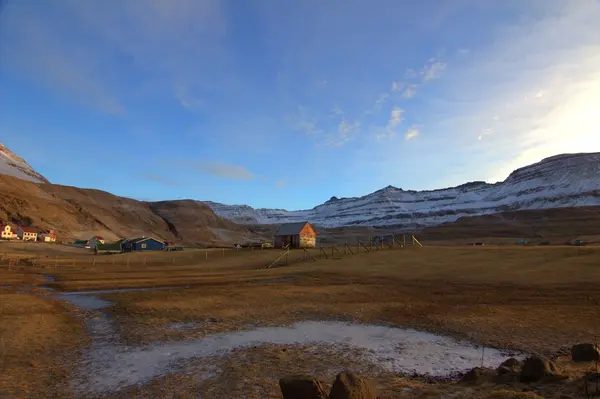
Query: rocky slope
column 13, row 165
column 80, row 213
column 568, row 180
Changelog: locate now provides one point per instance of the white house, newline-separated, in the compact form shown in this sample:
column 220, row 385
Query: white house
column 95, row 240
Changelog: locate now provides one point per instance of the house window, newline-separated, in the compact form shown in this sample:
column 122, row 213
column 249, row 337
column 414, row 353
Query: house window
column 144, row 245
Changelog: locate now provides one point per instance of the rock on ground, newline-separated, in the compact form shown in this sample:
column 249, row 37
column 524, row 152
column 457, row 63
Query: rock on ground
column 585, row 353
column 536, row 368
column 478, row 375
column 301, row 387
column 511, row 365
column 352, row 386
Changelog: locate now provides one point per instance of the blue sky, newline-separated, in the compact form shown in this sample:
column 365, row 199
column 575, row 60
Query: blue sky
column 285, row 104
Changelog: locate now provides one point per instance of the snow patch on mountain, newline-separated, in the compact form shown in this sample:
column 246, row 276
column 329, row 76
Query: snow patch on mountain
column 566, row 180
column 13, row 165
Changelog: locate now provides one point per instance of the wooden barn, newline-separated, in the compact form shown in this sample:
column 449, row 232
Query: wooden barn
column 297, row 235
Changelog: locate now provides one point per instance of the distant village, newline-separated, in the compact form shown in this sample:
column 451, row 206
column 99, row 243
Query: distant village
column 27, row 234
column 289, row 235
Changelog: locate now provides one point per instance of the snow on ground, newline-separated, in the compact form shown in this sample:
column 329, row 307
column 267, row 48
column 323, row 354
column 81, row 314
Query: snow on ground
column 13, row 165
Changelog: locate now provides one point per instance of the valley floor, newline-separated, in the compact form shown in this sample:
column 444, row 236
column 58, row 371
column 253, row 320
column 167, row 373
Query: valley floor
column 520, row 299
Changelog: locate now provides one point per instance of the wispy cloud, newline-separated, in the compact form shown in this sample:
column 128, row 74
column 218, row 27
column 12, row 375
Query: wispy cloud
column 410, row 91
column 280, row 183
column 186, row 99
column 396, row 117
column 345, row 132
column 225, row 171
column 64, row 45
column 412, row 133
column 433, row 70
column 396, row 86
column 537, row 84
column 156, row 178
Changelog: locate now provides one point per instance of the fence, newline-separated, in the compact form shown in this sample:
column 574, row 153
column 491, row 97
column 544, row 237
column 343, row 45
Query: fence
column 338, row 251
column 264, row 256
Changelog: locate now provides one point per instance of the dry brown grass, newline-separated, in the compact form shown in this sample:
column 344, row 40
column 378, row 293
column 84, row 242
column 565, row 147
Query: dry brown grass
column 537, row 299
column 38, row 340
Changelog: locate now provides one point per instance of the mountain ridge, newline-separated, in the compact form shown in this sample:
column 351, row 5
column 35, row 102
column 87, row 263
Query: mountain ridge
column 13, row 165
column 562, row 180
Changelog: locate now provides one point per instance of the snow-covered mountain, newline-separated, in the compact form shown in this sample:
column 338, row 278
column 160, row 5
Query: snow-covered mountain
column 13, row 165
column 566, row 180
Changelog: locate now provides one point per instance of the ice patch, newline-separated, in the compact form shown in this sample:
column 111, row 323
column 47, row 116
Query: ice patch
column 393, row 349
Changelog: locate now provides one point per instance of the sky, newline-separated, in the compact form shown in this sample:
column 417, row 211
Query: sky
column 283, row 104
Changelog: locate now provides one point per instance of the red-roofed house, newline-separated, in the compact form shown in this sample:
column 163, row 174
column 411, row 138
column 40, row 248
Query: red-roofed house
column 95, row 240
column 47, row 236
column 26, row 233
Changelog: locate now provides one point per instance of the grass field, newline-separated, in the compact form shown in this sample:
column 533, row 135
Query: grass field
column 534, row 299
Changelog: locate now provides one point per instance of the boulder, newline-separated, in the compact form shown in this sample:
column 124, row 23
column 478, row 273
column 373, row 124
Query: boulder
column 352, row 386
column 585, row 353
column 511, row 365
column 536, row 368
column 301, row 387
column 478, row 375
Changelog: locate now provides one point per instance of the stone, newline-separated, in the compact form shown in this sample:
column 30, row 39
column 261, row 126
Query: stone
column 536, row 368
column 478, row 375
column 585, row 353
column 301, row 387
column 511, row 365
column 352, row 386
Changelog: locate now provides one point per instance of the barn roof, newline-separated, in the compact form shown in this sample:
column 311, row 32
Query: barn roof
column 290, row 229
column 109, row 247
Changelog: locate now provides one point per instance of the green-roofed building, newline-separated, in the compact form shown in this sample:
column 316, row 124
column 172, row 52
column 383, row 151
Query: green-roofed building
column 113, row 248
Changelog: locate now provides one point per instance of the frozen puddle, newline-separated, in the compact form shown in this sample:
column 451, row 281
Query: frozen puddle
column 110, row 366
column 392, row 349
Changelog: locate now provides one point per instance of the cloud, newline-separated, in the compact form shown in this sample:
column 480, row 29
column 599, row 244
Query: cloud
column 396, row 117
column 410, row 91
column 433, row 70
column 226, row 171
column 156, row 178
column 485, row 132
column 186, row 99
column 412, row 133
column 90, row 50
column 280, row 183
column 537, row 83
column 396, row 86
column 345, row 132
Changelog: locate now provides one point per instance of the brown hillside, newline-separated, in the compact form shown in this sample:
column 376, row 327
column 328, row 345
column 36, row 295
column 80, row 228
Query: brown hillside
column 80, row 213
column 556, row 225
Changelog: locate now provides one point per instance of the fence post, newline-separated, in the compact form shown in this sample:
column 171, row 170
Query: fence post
column 127, row 260
column 206, row 254
column 113, row 261
column 223, row 252
column 144, row 261
column 34, row 260
column 332, row 247
column 94, row 263
column 173, row 261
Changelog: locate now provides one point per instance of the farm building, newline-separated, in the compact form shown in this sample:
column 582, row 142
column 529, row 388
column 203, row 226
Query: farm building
column 95, row 240
column 297, row 235
column 8, row 233
column 47, row 236
column 142, row 244
column 114, row 248
column 26, row 234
